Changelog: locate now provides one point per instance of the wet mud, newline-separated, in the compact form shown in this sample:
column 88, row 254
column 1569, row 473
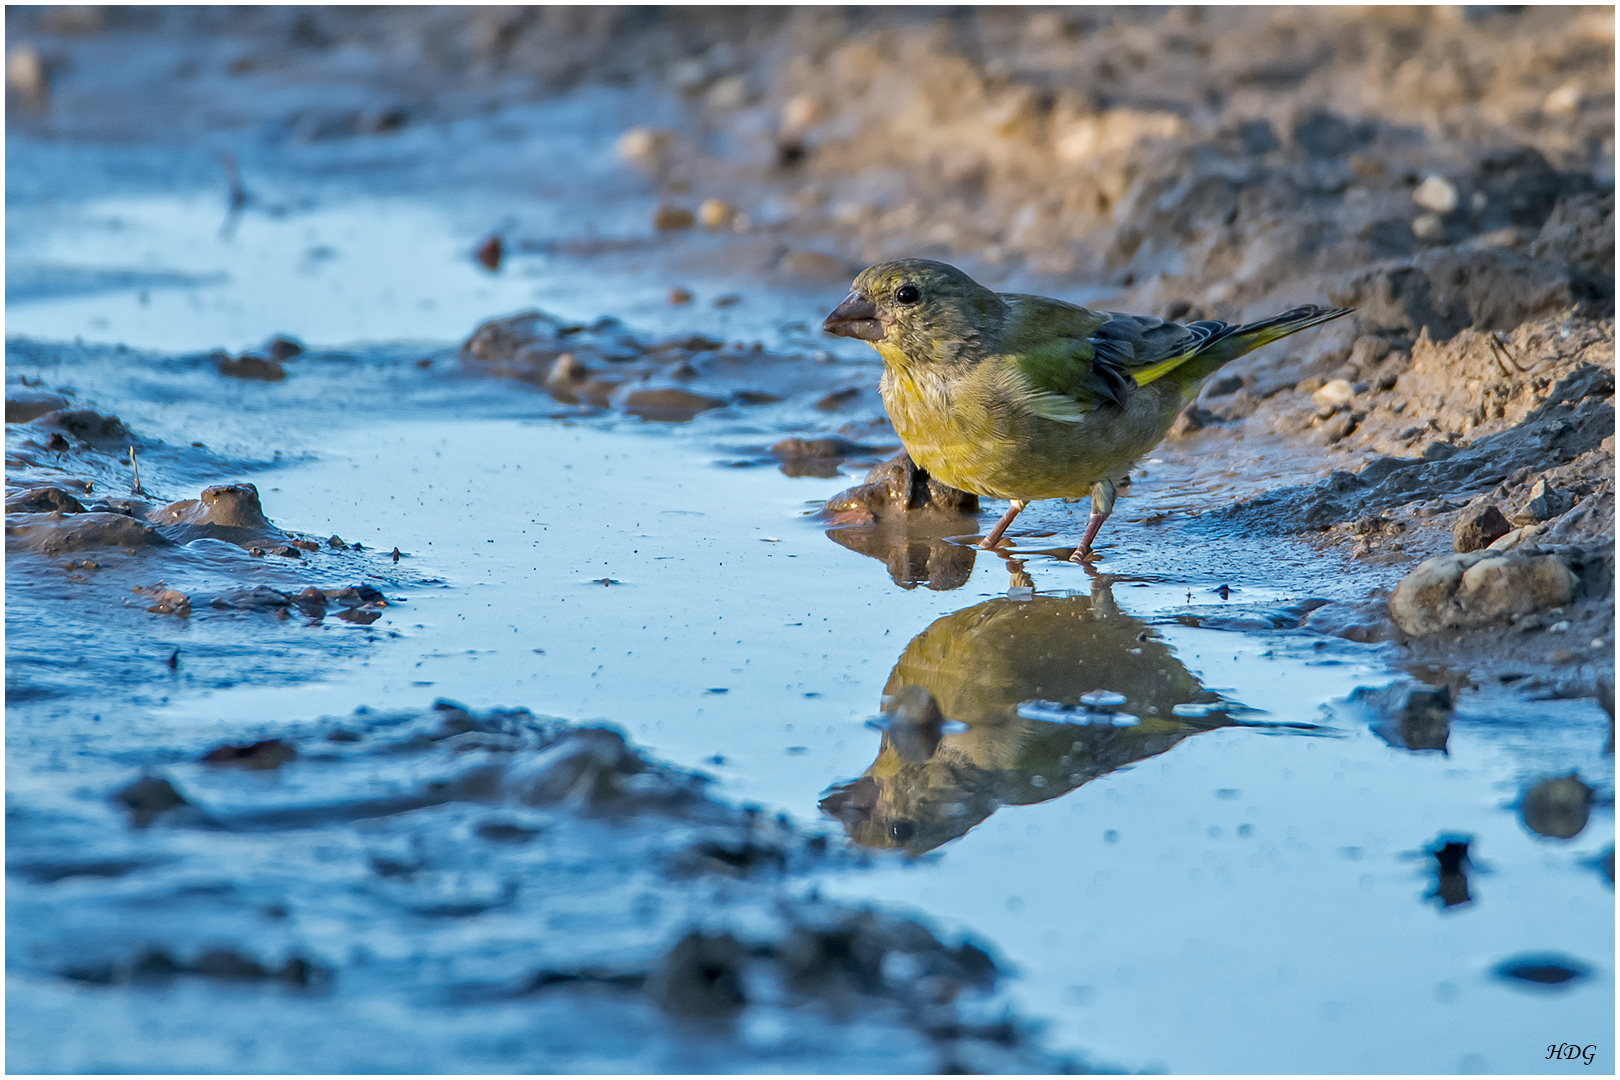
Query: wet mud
column 360, row 357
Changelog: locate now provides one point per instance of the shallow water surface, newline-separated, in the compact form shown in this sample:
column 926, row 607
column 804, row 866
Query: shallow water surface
column 1227, row 870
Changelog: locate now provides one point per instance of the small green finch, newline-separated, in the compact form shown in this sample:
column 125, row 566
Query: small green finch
column 1022, row 397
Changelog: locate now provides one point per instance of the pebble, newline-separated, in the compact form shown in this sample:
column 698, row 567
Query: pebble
column 25, row 72
column 1436, row 193
column 1545, row 502
column 1335, row 394
column 642, row 144
column 716, row 213
column 800, row 113
column 672, row 217
column 1557, row 807
column 1565, row 99
column 1427, row 227
column 1479, row 527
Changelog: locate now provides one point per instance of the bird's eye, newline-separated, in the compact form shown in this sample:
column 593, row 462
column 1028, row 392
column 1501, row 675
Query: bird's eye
column 908, row 294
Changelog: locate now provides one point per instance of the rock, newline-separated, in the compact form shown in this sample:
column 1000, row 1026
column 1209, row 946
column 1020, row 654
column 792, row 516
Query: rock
column 838, row 399
column 668, row 403
column 1366, row 621
column 1545, row 502
column 715, row 214
column 798, row 114
column 26, row 73
column 585, row 766
column 1335, row 394
column 700, row 976
column 42, row 500
column 1436, row 193
column 899, row 485
column 1478, row 527
column 1335, row 430
column 258, row 598
column 1580, row 231
column 266, row 754
column 678, row 296
column 673, row 217
column 281, row 347
column 23, row 407
column 230, row 505
column 488, row 253
column 1558, row 807
column 56, row 534
column 251, row 367
column 1428, row 227
column 147, row 798
column 86, row 426
column 642, row 145
column 168, row 601
column 1478, row 589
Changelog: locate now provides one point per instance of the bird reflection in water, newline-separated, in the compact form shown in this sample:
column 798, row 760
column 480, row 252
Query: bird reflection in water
column 1015, row 701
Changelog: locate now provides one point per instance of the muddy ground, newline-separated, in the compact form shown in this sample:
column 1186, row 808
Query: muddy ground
column 666, row 200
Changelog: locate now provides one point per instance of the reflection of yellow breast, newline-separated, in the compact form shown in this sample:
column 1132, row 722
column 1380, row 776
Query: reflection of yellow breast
column 982, row 662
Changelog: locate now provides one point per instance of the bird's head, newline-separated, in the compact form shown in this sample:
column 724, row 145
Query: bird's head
column 917, row 307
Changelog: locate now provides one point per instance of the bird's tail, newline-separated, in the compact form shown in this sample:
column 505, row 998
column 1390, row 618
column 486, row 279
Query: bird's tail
column 1219, row 343
column 1237, row 341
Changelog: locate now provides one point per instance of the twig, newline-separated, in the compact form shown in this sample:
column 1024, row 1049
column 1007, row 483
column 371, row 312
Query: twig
column 136, row 465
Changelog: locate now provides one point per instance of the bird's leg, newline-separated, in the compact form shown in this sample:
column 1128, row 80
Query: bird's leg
column 1001, row 526
column 1102, row 504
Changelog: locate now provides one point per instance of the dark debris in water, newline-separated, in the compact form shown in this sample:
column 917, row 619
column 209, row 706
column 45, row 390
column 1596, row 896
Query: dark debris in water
column 1548, row 972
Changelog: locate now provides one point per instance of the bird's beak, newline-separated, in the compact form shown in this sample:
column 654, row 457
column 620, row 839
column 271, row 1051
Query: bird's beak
column 856, row 317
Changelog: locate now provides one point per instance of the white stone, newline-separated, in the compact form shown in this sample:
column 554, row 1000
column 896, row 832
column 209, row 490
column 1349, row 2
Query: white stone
column 1436, row 193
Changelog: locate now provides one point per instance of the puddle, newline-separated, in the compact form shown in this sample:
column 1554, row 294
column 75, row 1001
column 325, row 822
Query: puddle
column 1214, row 865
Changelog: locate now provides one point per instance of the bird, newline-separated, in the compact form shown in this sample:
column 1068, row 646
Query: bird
column 1019, row 397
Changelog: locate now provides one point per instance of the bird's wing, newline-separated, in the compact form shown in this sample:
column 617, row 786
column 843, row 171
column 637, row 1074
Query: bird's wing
column 1075, row 360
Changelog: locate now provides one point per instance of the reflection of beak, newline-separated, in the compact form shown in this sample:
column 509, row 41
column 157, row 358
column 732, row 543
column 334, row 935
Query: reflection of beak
column 856, row 317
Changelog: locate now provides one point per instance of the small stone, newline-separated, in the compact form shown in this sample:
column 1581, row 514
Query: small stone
column 642, row 144
column 25, row 72
column 678, row 296
column 715, row 213
column 1335, row 394
column 1545, row 502
column 700, row 976
column 266, row 754
column 489, row 252
column 1478, row 527
column 1427, row 227
column 1436, row 193
column 148, row 797
column 281, row 347
column 800, row 113
column 838, row 399
column 672, row 217
column 730, row 92
column 1337, row 428
column 1565, row 99
column 669, row 404
column 1557, row 807
column 568, row 370
column 252, row 367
